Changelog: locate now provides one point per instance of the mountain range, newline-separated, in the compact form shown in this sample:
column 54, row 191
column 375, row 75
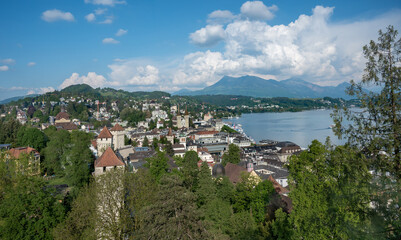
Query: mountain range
column 258, row 87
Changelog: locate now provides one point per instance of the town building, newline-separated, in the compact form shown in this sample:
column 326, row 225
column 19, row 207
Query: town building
column 107, row 161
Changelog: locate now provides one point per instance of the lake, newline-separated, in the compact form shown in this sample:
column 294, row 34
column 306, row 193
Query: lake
column 298, row 127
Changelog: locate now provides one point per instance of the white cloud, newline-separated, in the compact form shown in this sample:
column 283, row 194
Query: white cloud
column 31, row 64
column 220, row 17
column 105, row 2
column 258, row 10
column 4, row 68
column 126, row 73
column 100, row 11
column 8, row 61
column 56, row 15
column 110, row 41
column 17, row 88
column 92, row 79
column 121, row 32
column 311, row 47
column 208, row 36
column 90, row 17
column 108, row 20
column 41, row 90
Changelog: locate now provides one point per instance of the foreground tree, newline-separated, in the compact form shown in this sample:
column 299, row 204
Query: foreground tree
column 376, row 128
column 232, row 156
column 158, row 165
column 173, row 215
column 78, row 159
column 329, row 192
column 190, row 170
column 29, row 210
column 80, row 221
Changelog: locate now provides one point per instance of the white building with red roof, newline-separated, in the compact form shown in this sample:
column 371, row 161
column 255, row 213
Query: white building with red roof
column 108, row 161
column 104, row 140
column 110, row 138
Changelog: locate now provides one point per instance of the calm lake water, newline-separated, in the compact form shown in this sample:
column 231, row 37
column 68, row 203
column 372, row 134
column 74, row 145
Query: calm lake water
column 298, row 127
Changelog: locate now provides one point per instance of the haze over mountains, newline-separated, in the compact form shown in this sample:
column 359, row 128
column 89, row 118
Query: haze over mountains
column 250, row 86
column 258, row 87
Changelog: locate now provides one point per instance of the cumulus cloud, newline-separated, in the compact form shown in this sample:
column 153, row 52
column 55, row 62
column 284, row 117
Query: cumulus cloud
column 92, row 79
column 110, row 41
column 8, row 61
column 57, row 15
column 100, row 11
column 258, row 10
column 31, row 64
column 310, row 47
column 4, row 68
column 208, row 36
column 90, row 17
column 41, row 90
column 125, row 73
column 220, row 17
column 105, row 2
column 121, row 32
column 108, row 20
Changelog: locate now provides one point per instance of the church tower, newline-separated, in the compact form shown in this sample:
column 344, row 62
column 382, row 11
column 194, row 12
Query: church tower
column 186, row 117
column 170, row 137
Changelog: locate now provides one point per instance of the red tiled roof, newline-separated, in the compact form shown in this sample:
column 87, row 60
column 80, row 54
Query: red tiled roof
column 16, row 152
column 279, row 189
column 206, row 132
column 202, row 149
column 233, row 172
column 105, row 133
column 108, row 159
column 117, row 127
column 67, row 126
column 62, row 115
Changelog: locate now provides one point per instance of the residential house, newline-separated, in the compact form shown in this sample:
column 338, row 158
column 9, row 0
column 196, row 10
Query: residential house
column 32, row 155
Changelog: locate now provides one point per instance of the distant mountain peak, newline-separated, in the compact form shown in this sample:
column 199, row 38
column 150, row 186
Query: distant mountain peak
column 254, row 86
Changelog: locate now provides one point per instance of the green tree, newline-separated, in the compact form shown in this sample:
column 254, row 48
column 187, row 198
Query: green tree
column 206, row 190
column 31, row 137
column 329, row 192
column 29, row 210
column 58, row 145
column 80, row 221
column 218, row 215
column 145, row 142
column 376, row 128
column 9, row 131
column 190, row 170
column 281, row 227
column 225, row 189
column 158, row 165
column 242, row 226
column 78, row 159
column 232, row 156
column 173, row 215
column 141, row 189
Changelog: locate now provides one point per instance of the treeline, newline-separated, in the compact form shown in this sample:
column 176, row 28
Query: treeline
column 157, row 203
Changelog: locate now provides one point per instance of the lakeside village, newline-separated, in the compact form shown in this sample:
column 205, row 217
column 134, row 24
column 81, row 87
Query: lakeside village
column 210, row 138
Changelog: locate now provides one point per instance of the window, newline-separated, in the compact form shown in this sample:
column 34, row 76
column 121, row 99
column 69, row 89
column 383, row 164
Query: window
column 104, row 169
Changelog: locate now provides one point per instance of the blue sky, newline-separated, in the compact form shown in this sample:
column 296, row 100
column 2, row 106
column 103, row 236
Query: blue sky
column 168, row 45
